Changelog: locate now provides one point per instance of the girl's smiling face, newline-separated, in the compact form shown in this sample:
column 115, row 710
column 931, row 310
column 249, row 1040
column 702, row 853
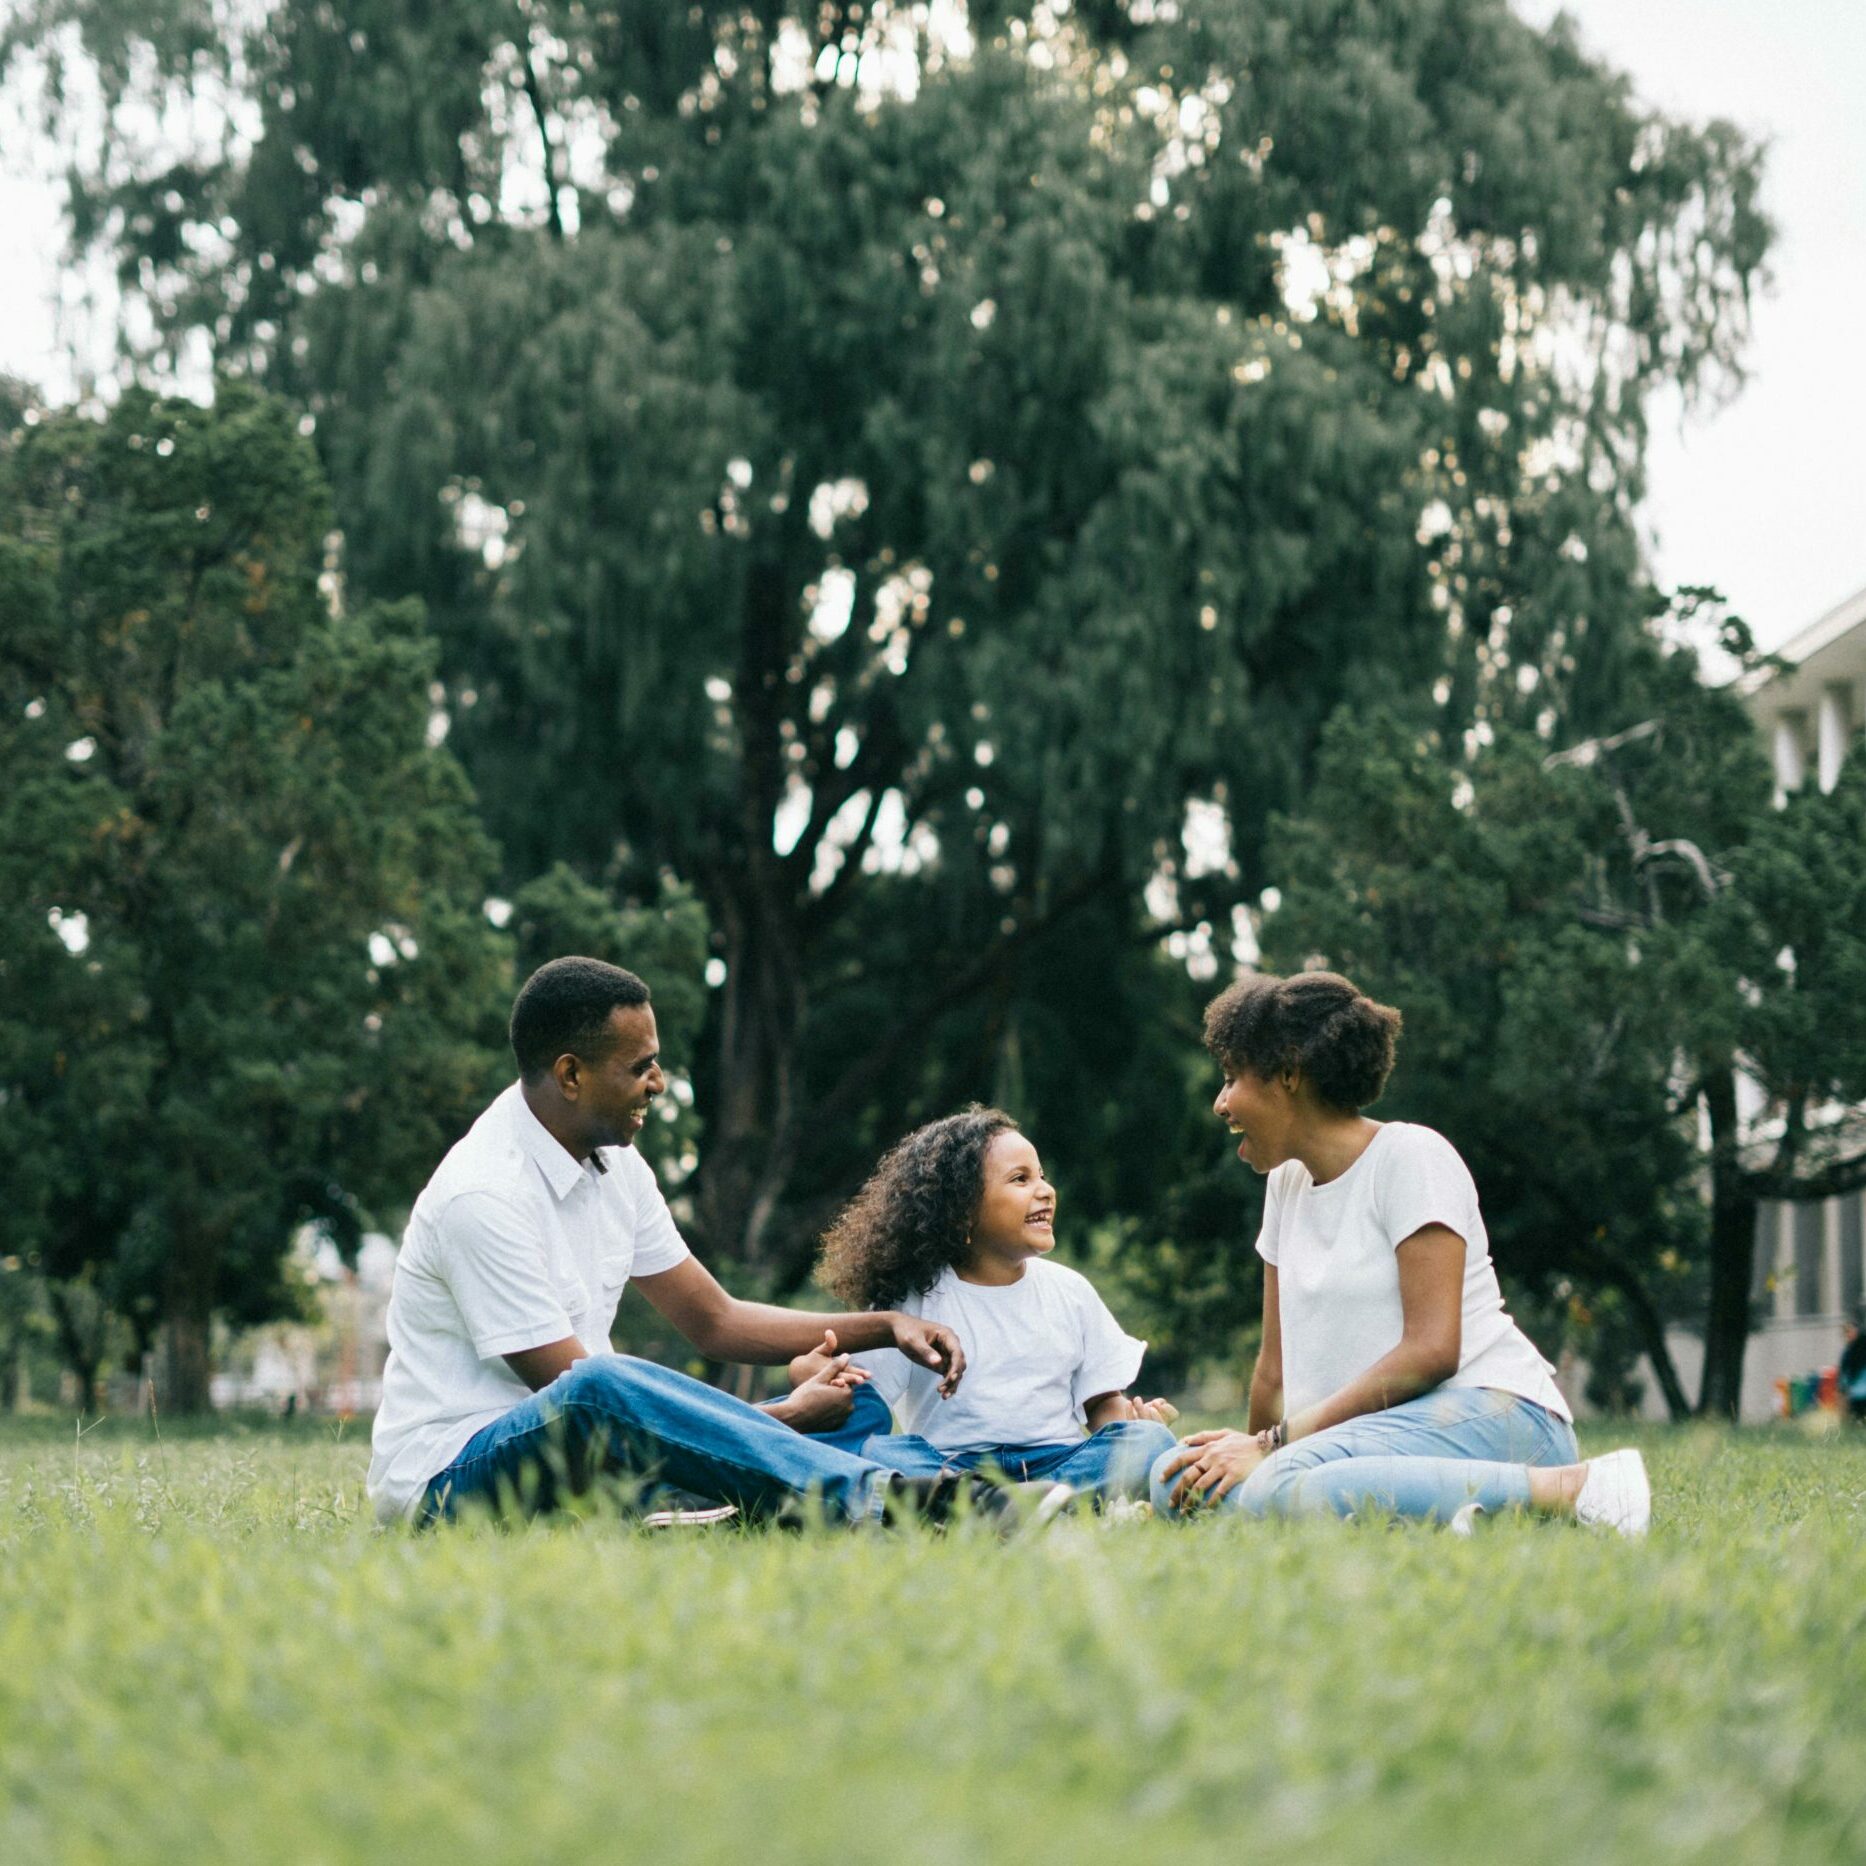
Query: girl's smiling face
column 1017, row 1210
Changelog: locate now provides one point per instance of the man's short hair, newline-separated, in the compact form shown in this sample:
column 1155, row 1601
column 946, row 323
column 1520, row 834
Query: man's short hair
column 565, row 1007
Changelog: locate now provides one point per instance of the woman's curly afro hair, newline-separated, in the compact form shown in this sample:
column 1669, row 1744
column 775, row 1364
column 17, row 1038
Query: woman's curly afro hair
column 913, row 1218
column 1313, row 1021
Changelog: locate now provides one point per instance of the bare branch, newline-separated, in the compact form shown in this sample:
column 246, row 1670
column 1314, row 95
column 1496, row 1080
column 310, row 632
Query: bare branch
column 1711, row 879
column 1589, row 750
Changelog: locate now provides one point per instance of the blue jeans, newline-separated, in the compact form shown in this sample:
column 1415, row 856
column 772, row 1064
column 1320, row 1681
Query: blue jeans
column 1427, row 1458
column 1111, row 1463
column 613, row 1415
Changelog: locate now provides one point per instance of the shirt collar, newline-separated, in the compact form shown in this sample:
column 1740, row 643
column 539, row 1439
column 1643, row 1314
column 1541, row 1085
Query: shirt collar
column 561, row 1172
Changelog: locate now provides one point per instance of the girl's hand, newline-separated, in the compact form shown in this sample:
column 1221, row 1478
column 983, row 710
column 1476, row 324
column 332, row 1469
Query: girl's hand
column 808, row 1366
column 1161, row 1412
column 824, row 1361
column 823, row 1401
column 1210, row 1465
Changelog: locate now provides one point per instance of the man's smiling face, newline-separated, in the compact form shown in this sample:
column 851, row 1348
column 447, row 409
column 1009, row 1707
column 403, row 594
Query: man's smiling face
column 617, row 1087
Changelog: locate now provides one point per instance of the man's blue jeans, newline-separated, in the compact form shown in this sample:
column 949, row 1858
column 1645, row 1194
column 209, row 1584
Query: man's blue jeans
column 1111, row 1463
column 1427, row 1458
column 614, row 1416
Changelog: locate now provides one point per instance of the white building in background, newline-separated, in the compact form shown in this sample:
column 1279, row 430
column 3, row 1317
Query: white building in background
column 1810, row 1265
column 332, row 1364
column 1811, row 713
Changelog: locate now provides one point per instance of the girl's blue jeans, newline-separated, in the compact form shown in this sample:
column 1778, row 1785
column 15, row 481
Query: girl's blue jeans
column 1427, row 1458
column 1113, row 1462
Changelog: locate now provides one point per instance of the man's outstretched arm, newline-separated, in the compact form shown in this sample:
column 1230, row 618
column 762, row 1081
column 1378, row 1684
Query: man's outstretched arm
column 726, row 1329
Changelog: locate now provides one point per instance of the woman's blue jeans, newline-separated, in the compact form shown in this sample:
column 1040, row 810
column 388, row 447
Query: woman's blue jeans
column 614, row 1416
column 1113, row 1462
column 1427, row 1458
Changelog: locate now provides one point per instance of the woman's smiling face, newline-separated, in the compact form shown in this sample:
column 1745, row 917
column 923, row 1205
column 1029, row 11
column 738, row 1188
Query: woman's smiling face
column 1261, row 1111
column 1017, row 1209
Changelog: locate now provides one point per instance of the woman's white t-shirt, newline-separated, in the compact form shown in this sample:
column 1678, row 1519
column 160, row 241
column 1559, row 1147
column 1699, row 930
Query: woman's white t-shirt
column 1036, row 1352
column 1338, row 1294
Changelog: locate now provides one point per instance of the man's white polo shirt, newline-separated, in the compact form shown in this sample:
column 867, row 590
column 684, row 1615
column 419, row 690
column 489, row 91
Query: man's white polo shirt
column 512, row 1244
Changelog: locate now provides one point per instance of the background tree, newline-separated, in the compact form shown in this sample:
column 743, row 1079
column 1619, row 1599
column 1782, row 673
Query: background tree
column 1452, row 889
column 1754, row 922
column 888, row 481
column 247, row 972
column 1593, row 949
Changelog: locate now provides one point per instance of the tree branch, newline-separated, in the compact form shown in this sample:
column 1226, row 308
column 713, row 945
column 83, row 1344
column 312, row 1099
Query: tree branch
column 534, row 91
column 861, row 1076
column 1834, row 1180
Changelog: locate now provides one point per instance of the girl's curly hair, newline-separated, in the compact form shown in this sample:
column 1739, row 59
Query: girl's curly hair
column 913, row 1218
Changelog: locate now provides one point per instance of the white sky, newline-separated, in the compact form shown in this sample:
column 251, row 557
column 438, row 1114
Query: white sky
column 1765, row 498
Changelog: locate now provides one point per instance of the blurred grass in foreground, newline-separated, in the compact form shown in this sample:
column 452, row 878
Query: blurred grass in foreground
column 207, row 1653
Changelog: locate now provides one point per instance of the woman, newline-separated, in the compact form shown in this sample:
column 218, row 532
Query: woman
column 1391, row 1376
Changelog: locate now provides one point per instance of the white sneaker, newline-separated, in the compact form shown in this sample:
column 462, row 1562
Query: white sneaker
column 1057, row 1500
column 1615, row 1494
column 705, row 1518
column 1464, row 1521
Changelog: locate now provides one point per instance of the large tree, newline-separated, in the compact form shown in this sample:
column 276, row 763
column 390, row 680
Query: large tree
column 248, row 978
column 1596, row 948
column 888, row 480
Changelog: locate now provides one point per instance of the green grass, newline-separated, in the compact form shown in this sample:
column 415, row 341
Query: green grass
column 207, row 1654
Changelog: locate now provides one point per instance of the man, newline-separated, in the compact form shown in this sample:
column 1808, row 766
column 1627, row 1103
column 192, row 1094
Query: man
column 500, row 1382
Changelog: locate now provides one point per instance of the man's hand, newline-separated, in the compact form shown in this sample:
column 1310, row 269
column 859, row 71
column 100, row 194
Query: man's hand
column 825, row 1396
column 932, row 1344
column 1211, row 1464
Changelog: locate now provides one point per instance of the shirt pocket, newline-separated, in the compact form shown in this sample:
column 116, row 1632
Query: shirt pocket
column 572, row 1292
column 613, row 1269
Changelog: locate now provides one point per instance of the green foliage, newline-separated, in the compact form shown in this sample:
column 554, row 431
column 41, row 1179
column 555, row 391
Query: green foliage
column 207, row 1646
column 648, row 349
column 247, row 974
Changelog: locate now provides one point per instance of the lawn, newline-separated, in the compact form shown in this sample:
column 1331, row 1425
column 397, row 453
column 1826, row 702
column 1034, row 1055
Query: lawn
column 208, row 1654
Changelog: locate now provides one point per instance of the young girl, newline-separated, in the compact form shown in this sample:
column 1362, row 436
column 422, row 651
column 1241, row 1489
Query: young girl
column 959, row 1218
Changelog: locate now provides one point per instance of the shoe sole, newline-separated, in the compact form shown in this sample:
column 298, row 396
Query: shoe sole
column 691, row 1519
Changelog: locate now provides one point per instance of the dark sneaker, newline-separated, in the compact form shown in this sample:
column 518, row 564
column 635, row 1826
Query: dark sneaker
column 937, row 1501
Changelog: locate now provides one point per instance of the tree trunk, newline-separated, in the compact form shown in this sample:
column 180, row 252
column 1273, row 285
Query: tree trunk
column 1652, row 1333
column 1732, row 1255
column 751, row 1132
column 188, row 1326
column 79, row 1347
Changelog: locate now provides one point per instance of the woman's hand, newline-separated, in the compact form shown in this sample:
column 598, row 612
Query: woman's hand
column 1210, row 1465
column 931, row 1344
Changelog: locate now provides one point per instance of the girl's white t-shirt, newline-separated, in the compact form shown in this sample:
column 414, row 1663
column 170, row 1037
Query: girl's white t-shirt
column 1338, row 1294
column 1036, row 1352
